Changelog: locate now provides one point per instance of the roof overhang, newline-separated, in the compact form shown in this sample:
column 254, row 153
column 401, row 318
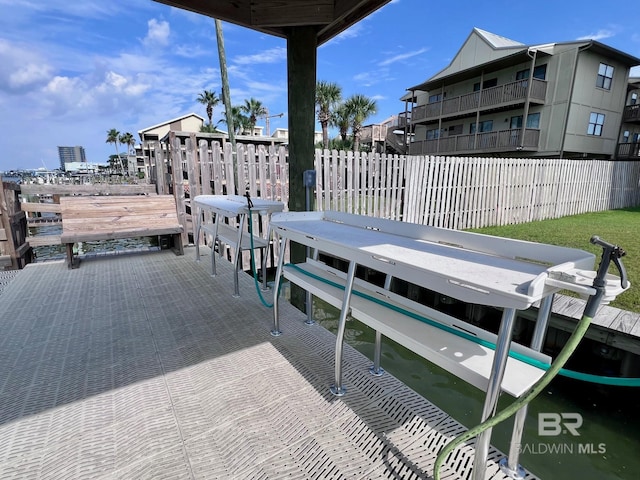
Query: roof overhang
column 330, row 17
column 515, row 58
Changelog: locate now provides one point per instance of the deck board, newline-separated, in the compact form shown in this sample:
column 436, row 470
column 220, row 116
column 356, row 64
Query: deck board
column 144, row 366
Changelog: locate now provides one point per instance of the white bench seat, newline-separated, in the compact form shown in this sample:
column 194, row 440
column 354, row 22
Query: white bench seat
column 464, row 358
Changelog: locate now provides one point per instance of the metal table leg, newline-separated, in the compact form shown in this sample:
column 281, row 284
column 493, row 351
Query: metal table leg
column 213, row 245
column 198, row 227
column 236, row 259
column 337, row 389
column 493, row 391
column 376, row 369
column 276, row 290
column 509, row 465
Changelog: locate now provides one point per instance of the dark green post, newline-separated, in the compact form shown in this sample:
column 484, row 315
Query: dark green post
column 302, row 45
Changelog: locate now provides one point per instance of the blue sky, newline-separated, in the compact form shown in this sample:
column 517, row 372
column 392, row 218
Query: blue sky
column 70, row 70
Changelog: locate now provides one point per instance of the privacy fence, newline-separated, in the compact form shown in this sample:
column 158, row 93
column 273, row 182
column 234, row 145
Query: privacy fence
column 450, row 192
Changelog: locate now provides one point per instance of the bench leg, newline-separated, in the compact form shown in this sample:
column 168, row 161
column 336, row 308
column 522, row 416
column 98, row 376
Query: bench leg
column 177, row 244
column 70, row 259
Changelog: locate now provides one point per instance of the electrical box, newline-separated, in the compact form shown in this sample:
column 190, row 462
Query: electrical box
column 309, row 178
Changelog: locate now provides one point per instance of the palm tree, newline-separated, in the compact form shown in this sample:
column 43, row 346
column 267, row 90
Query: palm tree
column 360, row 108
column 340, row 118
column 253, row 109
column 210, row 99
column 113, row 136
column 328, row 95
column 130, row 141
column 239, row 120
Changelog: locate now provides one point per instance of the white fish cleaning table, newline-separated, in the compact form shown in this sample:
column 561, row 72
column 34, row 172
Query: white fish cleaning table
column 473, row 268
column 232, row 206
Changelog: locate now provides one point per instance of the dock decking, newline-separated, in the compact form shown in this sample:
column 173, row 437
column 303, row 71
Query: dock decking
column 144, row 366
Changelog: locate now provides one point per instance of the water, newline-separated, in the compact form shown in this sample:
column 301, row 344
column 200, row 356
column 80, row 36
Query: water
column 88, row 249
column 609, row 436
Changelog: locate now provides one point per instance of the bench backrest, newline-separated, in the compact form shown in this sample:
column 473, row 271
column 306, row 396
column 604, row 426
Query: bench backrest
column 108, row 217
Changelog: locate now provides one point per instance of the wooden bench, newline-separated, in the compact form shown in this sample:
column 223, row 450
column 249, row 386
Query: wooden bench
column 91, row 218
column 451, row 347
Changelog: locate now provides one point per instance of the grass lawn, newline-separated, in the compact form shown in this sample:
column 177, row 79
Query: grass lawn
column 620, row 227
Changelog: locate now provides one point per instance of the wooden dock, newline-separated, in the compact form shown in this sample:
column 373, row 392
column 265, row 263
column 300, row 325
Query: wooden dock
column 144, row 366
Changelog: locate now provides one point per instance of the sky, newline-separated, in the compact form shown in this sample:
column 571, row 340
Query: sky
column 70, row 70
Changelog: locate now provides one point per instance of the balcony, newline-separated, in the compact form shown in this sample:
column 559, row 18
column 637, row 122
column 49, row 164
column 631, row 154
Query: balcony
column 502, row 96
column 499, row 141
column 631, row 113
column 628, row 151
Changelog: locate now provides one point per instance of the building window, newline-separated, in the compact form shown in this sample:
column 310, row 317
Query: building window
column 433, row 134
column 485, row 126
column 596, row 122
column 533, row 121
column 625, row 136
column 455, row 130
column 634, row 99
column 605, row 75
column 492, row 82
column 539, row 72
column 435, row 98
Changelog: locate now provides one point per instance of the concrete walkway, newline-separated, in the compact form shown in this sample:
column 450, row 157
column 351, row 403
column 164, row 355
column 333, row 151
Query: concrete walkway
column 143, row 366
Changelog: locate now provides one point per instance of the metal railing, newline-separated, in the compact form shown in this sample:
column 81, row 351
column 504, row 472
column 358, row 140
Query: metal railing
column 631, row 113
column 499, row 140
column 501, row 95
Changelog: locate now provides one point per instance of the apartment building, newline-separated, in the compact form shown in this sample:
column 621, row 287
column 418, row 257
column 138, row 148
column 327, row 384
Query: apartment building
column 499, row 97
column 629, row 146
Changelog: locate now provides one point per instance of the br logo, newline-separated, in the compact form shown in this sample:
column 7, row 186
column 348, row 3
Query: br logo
column 553, row 424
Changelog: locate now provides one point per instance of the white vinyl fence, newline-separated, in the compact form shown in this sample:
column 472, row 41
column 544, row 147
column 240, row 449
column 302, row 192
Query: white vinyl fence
column 462, row 192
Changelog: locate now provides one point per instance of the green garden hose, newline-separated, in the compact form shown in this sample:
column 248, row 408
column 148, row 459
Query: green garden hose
column 611, row 253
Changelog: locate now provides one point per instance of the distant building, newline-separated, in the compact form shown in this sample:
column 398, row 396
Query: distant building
column 71, row 155
column 499, row 97
column 82, row 167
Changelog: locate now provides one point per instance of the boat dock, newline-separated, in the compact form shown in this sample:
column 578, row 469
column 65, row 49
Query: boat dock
column 145, row 366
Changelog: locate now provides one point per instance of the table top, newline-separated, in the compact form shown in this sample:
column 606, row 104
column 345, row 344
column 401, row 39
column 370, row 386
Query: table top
column 470, row 267
column 231, row 205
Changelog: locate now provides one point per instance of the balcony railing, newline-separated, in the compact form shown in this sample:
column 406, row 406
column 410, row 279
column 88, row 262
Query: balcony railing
column 502, row 95
column 629, row 151
column 500, row 140
column 631, row 113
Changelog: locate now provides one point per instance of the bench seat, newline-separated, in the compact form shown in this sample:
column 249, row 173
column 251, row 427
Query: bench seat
column 92, row 218
column 464, row 358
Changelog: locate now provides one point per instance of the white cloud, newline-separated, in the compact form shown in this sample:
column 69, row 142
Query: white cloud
column 273, row 55
column 400, row 57
column 21, row 69
column 599, row 35
column 158, row 32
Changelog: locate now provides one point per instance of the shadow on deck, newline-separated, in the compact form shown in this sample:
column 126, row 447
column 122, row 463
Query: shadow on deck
column 144, row 366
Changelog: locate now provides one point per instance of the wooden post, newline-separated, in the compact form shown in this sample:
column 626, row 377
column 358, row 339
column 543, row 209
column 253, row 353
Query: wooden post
column 161, row 170
column 178, row 188
column 301, row 79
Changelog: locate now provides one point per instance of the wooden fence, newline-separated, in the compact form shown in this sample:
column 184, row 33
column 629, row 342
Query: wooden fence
column 449, row 192
column 463, row 192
